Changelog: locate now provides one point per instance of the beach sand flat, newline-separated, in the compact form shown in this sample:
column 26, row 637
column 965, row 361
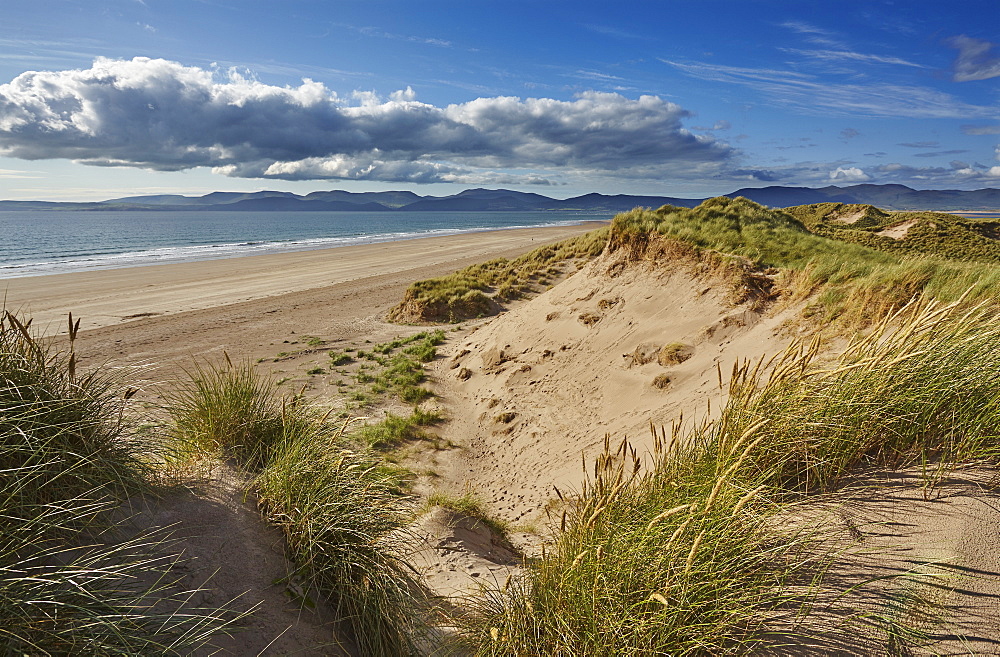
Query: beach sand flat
column 108, row 297
column 164, row 316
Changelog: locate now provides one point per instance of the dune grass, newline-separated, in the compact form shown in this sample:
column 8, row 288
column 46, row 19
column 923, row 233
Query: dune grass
column 395, row 430
column 342, row 516
column 228, row 412
column 935, row 233
column 469, row 505
column 846, row 285
column 69, row 456
column 692, row 553
column 476, row 291
column 338, row 507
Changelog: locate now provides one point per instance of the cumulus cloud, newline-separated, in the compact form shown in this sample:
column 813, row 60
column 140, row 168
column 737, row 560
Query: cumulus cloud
column 162, row 115
column 718, row 125
column 974, row 61
column 764, row 175
column 849, row 174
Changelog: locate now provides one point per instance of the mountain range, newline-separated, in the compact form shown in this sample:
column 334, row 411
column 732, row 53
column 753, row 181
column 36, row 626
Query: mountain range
column 889, row 197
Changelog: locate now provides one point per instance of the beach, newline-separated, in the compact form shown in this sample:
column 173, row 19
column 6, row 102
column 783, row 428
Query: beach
column 163, row 316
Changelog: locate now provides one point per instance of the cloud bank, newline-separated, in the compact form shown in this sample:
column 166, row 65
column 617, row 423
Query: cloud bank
column 162, row 115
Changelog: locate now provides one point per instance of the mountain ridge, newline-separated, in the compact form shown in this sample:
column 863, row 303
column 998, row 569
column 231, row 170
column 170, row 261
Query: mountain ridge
column 890, row 196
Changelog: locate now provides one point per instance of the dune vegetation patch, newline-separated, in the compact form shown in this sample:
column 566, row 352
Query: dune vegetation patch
column 481, row 290
column 69, row 458
column 844, row 284
column 74, row 458
column 340, row 510
column 930, row 233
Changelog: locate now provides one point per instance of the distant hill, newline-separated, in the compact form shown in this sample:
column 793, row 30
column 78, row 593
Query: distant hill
column 890, row 197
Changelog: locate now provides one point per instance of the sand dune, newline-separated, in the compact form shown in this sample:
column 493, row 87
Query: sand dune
column 530, row 393
column 541, row 385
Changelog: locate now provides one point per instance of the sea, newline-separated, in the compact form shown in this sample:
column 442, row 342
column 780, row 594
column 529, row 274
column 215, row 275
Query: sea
column 34, row 243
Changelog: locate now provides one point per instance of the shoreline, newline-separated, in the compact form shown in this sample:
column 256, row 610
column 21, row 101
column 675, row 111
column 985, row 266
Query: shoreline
column 136, row 255
column 109, row 297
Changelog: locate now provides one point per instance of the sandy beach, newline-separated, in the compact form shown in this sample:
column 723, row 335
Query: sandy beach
column 164, row 315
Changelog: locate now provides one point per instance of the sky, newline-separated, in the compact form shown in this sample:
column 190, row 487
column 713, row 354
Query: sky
column 104, row 99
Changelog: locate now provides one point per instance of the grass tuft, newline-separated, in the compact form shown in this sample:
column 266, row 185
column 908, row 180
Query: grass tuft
column 339, row 508
column 69, row 457
column 229, row 411
column 479, row 290
column 845, row 285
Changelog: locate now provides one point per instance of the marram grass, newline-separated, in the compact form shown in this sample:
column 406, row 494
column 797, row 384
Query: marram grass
column 69, row 457
column 339, row 509
column 844, row 285
column 686, row 554
column 476, row 291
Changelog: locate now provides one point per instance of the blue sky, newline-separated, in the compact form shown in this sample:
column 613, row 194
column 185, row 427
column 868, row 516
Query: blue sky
column 107, row 99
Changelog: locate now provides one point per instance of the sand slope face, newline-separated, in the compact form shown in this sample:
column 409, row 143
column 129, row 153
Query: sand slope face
column 537, row 386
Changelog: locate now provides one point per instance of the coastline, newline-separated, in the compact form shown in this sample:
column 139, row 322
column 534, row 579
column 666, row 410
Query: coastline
column 163, row 318
column 113, row 296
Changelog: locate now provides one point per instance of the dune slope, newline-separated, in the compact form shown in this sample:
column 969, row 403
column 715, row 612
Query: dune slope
column 620, row 344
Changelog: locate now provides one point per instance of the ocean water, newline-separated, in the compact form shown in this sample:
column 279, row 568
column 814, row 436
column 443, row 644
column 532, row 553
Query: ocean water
column 37, row 243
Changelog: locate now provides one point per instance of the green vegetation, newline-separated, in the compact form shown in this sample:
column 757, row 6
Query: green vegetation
column 227, row 412
column 399, row 374
column 338, row 358
column 341, row 516
column 339, row 508
column 476, row 291
column 394, row 430
column 936, row 233
column 68, row 458
column 846, row 284
column 700, row 554
column 470, row 506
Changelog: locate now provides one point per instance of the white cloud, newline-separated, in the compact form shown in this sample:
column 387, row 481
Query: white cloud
column 849, row 174
column 981, row 129
column 811, row 95
column 162, row 115
column 960, row 174
column 851, row 56
column 814, row 34
column 974, row 61
column 11, row 174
